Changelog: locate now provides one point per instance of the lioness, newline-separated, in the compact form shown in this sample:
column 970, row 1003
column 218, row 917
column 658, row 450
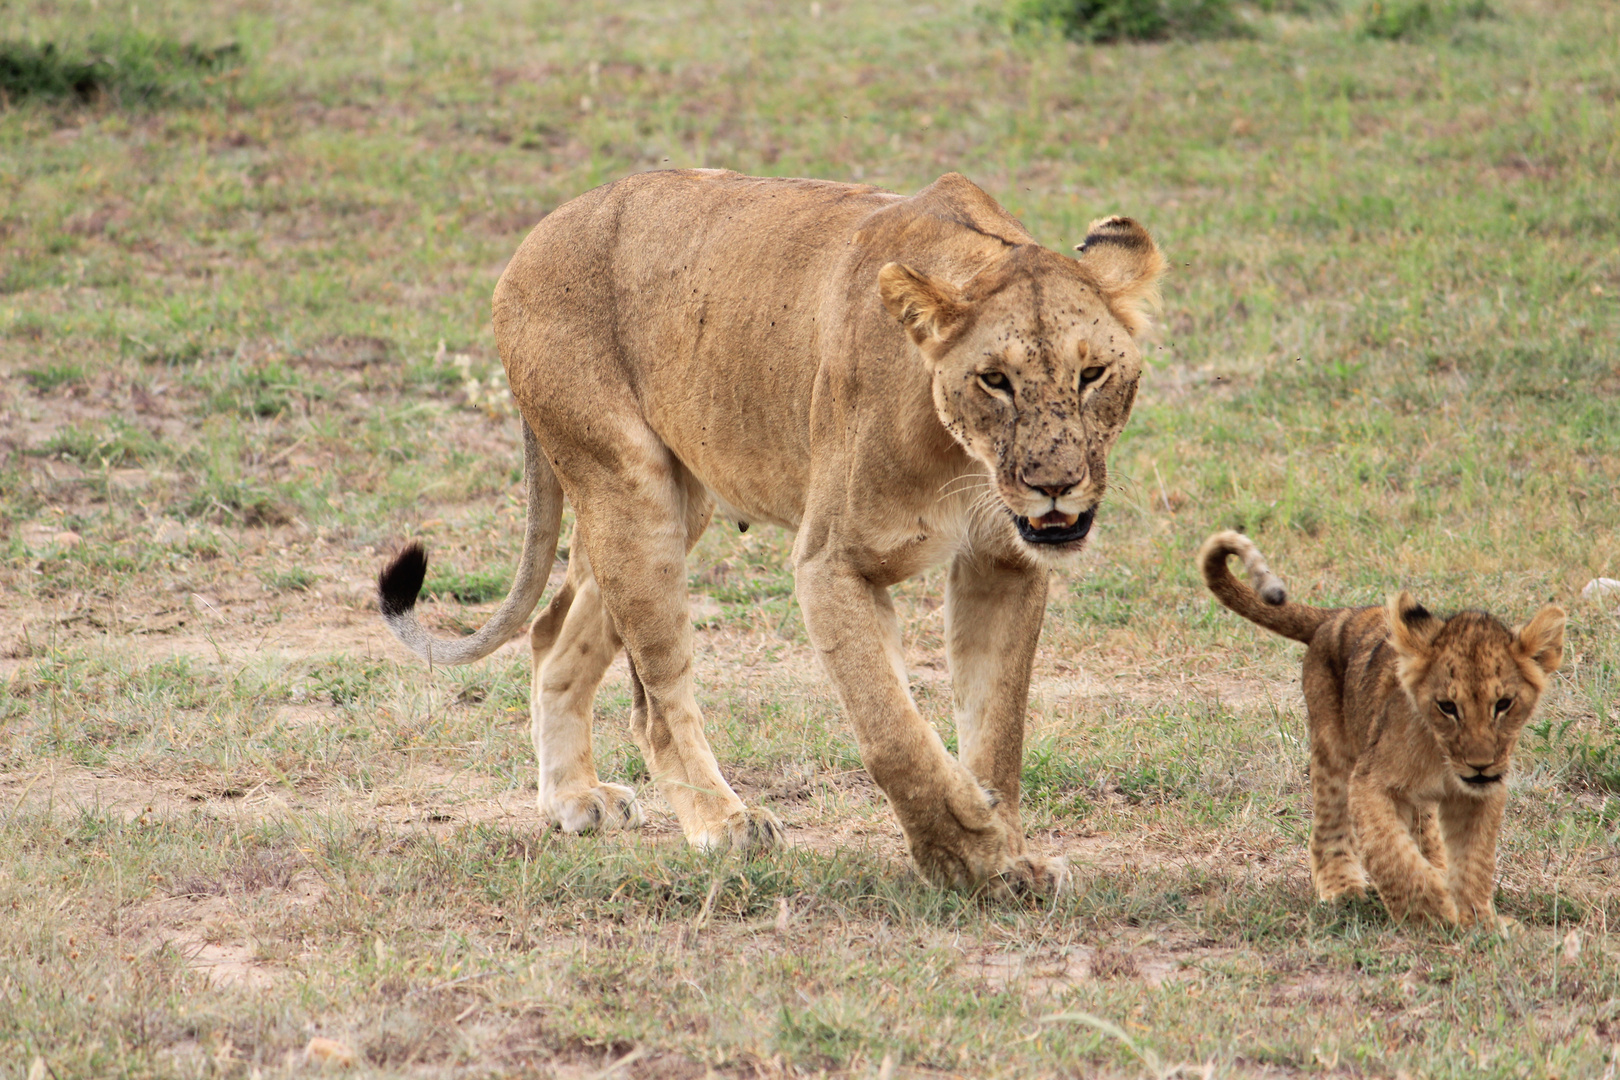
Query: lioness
column 1413, row 721
column 902, row 381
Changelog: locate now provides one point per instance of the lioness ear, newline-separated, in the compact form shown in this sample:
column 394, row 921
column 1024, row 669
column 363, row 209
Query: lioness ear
column 1412, row 627
column 1126, row 265
column 928, row 308
column 1542, row 638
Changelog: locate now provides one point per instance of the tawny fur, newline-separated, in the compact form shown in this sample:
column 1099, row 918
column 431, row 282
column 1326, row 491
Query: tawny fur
column 902, row 381
column 1406, row 709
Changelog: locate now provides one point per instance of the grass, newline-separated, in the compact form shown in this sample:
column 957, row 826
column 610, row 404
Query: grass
column 1104, row 21
column 126, row 66
column 1397, row 19
column 475, row 587
column 244, row 356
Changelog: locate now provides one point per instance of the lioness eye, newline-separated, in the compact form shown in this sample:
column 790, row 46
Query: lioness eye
column 1504, row 705
column 1090, row 375
column 993, row 380
column 1448, row 707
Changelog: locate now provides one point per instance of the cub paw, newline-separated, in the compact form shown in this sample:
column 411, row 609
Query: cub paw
column 1030, row 876
column 1422, row 907
column 596, row 809
column 1341, row 891
column 1335, row 883
column 750, row 830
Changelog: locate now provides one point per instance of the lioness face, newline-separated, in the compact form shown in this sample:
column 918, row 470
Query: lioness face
column 1035, row 366
column 1038, row 388
column 1474, row 682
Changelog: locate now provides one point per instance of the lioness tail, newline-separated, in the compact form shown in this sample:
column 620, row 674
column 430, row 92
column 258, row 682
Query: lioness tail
column 401, row 581
column 1266, row 601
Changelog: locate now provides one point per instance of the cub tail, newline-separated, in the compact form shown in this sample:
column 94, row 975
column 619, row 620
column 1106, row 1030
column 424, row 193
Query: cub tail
column 399, row 584
column 1263, row 599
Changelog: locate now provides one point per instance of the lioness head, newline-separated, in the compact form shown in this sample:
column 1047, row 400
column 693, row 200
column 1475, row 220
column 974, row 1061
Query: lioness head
column 1035, row 365
column 1473, row 681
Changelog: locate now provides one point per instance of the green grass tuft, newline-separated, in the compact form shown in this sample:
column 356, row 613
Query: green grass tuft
column 116, row 443
column 474, row 587
column 1103, row 21
column 290, row 579
column 128, row 68
column 45, row 379
column 1397, row 20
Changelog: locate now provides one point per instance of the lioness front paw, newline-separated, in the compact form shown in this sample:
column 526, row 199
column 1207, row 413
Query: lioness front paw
column 598, row 808
column 960, row 858
column 749, row 830
column 1030, row 876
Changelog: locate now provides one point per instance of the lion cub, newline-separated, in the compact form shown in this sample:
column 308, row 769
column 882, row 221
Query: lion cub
column 1413, row 721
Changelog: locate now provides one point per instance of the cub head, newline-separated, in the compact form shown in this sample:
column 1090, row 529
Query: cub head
column 1035, row 364
column 1473, row 681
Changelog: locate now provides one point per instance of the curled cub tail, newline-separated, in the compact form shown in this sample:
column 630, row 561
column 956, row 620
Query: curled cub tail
column 1266, row 601
column 399, row 584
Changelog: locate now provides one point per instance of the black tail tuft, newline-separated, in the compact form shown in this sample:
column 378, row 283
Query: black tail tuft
column 401, row 581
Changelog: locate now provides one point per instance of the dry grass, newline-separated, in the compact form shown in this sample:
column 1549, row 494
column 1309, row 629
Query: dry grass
column 243, row 355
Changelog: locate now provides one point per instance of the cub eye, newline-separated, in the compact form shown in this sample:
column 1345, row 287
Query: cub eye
column 1091, row 374
column 1447, row 707
column 993, row 381
column 1504, row 705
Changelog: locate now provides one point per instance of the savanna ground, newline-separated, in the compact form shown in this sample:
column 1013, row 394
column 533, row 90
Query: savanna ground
column 244, row 354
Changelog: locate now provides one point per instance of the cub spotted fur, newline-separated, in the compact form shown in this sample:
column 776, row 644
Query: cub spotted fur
column 1413, row 721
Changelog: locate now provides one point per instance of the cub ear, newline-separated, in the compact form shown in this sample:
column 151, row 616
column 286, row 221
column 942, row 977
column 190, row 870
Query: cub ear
column 1412, row 627
column 929, row 309
column 1126, row 265
column 1542, row 638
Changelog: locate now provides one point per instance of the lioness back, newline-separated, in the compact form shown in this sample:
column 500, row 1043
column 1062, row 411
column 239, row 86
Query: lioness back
column 720, row 298
column 1413, row 723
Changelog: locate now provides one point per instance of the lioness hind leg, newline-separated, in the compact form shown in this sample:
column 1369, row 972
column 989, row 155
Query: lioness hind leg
column 573, row 642
column 639, row 534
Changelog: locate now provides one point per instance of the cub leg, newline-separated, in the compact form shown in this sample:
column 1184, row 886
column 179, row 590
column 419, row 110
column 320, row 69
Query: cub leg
column 1470, row 827
column 954, row 835
column 1429, row 840
column 637, row 520
column 1408, row 884
column 573, row 642
column 1335, row 867
column 993, row 617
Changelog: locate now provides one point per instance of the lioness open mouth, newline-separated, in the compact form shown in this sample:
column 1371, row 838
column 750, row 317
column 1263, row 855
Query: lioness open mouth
column 1055, row 527
column 1478, row 780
